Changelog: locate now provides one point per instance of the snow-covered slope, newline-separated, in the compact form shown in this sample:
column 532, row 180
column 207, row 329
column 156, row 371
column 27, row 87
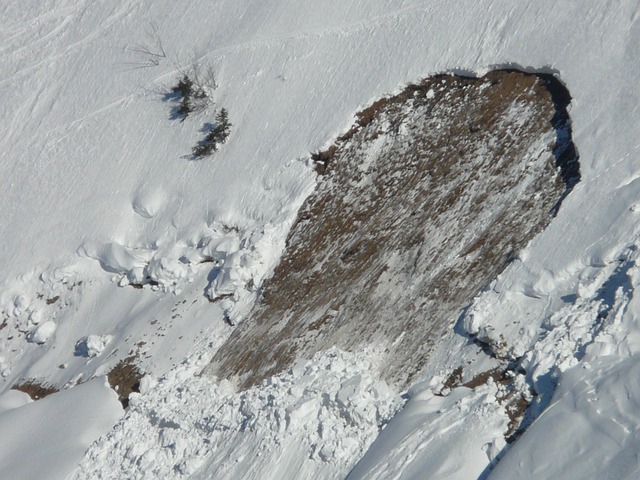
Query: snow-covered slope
column 97, row 192
column 47, row 438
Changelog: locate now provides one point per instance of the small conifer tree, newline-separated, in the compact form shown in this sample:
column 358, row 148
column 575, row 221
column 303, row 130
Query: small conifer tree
column 218, row 134
column 185, row 89
column 223, row 126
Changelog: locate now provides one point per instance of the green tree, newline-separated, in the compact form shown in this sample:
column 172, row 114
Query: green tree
column 218, row 135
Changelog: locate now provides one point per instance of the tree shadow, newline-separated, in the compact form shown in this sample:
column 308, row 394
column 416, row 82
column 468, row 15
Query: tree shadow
column 176, row 112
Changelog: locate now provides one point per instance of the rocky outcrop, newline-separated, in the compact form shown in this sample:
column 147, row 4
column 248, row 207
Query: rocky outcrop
column 418, row 207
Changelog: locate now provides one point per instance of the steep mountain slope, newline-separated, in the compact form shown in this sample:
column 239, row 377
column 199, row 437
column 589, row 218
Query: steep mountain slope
column 421, row 204
column 98, row 199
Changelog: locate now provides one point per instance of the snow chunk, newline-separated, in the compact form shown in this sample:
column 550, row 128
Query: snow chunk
column 35, row 317
column 92, row 345
column 147, row 203
column 43, row 333
column 20, row 304
column 323, row 412
column 218, row 247
column 147, row 383
column 115, row 258
column 5, row 368
column 167, row 272
column 238, row 270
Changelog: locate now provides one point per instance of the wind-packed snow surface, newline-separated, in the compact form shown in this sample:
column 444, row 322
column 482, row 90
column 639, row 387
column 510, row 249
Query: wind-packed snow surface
column 47, row 438
column 99, row 194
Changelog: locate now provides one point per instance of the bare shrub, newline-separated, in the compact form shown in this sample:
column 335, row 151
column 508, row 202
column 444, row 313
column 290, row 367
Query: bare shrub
column 150, row 52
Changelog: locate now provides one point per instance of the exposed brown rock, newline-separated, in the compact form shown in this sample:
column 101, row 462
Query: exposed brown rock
column 35, row 389
column 124, row 378
column 420, row 205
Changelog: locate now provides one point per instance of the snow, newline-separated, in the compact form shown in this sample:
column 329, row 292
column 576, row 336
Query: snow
column 96, row 194
column 13, row 399
column 590, row 424
column 92, row 345
column 45, row 439
column 45, row 331
column 430, row 434
column 590, row 429
column 319, row 417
